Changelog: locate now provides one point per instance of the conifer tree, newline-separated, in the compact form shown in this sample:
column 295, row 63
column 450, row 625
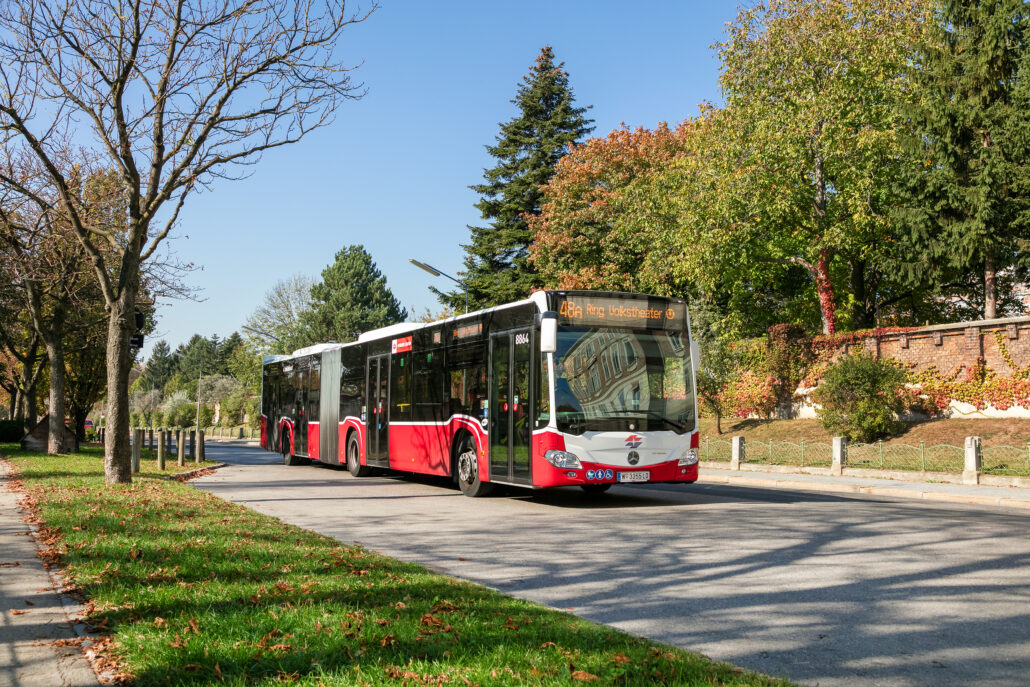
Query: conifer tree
column 497, row 267
column 963, row 202
column 351, row 298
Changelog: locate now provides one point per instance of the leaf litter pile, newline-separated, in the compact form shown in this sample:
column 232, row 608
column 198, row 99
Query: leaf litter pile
column 192, row 590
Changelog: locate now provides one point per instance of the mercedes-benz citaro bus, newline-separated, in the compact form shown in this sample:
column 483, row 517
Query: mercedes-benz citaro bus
column 581, row 388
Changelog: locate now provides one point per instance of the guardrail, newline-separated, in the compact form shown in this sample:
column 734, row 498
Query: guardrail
column 971, row 460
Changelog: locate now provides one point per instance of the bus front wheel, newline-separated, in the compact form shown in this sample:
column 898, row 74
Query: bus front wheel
column 288, row 457
column 468, row 469
column 354, row 465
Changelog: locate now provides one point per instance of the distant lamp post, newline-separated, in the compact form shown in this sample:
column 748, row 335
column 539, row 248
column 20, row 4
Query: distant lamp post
column 437, row 273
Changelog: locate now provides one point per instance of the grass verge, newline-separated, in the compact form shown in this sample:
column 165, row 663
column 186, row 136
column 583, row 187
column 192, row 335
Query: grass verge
column 194, row 590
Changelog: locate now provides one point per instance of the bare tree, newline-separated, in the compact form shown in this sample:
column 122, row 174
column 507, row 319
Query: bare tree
column 175, row 94
column 279, row 315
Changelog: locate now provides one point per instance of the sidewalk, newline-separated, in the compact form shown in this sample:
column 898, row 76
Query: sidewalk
column 33, row 618
column 1011, row 497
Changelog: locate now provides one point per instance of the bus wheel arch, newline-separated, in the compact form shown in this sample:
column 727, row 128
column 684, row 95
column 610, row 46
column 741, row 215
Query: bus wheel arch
column 465, row 465
column 354, row 466
column 287, row 447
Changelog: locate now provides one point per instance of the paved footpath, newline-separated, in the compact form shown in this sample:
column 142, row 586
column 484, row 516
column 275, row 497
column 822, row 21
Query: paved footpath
column 1010, row 497
column 32, row 616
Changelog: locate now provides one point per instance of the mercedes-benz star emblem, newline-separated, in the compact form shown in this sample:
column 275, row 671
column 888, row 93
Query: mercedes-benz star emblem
column 633, row 458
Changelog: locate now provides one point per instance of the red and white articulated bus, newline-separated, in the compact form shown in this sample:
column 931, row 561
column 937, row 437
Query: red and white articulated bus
column 564, row 388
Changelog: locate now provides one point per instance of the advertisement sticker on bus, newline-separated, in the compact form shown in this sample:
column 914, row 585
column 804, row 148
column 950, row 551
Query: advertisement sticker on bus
column 401, row 345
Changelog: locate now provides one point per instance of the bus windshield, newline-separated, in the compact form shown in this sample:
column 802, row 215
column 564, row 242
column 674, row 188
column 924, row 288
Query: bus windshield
column 623, row 380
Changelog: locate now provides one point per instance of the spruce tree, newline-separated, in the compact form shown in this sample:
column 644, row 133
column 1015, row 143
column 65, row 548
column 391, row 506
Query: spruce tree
column 963, row 202
column 497, row 268
column 351, row 298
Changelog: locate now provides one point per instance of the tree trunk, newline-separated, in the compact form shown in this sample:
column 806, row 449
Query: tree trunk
column 55, row 406
column 825, row 290
column 120, row 325
column 718, row 423
column 28, row 392
column 990, row 289
column 865, row 311
column 79, row 416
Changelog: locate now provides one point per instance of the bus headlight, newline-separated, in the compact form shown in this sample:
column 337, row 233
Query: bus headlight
column 688, row 458
column 562, row 459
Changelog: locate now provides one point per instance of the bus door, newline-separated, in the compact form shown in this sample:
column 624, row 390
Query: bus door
column 378, row 397
column 509, row 411
column 300, row 413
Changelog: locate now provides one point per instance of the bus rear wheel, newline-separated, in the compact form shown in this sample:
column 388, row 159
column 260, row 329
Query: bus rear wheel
column 354, row 465
column 467, row 464
column 595, row 488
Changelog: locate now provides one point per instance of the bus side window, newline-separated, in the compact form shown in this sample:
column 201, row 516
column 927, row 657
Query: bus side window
column 543, row 399
column 466, row 379
column 400, row 387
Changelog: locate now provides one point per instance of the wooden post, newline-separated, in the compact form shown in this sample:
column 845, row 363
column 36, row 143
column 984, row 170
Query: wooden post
column 161, row 449
column 150, row 433
column 200, row 446
column 193, row 444
column 137, row 448
column 180, row 447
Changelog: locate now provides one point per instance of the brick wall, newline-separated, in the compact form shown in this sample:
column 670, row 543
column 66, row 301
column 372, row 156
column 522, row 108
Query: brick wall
column 955, row 346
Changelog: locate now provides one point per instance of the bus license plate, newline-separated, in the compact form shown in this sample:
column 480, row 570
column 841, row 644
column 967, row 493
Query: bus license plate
column 640, row 476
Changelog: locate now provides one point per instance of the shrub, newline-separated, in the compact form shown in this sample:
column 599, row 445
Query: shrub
column 788, row 354
column 750, row 394
column 861, row 397
column 185, row 415
column 207, row 414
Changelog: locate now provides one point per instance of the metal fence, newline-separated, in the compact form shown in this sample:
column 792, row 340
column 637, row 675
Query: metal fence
column 996, row 460
column 1006, row 460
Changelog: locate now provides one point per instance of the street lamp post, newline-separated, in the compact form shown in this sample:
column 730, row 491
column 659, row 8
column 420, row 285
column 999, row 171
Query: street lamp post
column 265, row 334
column 437, row 273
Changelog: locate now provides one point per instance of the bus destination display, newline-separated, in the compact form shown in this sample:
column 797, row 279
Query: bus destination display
column 589, row 311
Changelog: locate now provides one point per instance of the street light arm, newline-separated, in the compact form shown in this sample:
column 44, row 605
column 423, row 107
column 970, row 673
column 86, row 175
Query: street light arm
column 261, row 333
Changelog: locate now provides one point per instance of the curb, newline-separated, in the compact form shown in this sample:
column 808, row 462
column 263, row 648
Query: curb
column 183, row 476
column 864, row 489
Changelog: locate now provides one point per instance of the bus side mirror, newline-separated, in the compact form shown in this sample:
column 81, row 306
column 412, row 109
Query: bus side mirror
column 695, row 355
column 549, row 332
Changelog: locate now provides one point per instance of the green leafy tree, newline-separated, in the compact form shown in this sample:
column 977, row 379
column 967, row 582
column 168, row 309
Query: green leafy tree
column 351, row 298
column 813, row 88
column 497, row 267
column 160, row 367
column 966, row 199
column 719, row 361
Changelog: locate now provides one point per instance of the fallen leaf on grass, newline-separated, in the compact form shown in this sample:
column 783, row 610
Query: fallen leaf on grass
column 584, row 676
column 160, row 622
column 194, row 626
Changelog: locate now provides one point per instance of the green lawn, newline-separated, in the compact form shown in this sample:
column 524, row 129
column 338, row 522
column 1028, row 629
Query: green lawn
column 195, row 590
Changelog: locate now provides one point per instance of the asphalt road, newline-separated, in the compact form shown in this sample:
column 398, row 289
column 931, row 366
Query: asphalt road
column 823, row 589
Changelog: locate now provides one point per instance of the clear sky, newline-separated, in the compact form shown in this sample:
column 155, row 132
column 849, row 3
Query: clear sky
column 393, row 171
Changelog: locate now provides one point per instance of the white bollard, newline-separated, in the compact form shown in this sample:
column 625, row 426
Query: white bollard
column 974, row 461
column 737, row 454
column 840, row 455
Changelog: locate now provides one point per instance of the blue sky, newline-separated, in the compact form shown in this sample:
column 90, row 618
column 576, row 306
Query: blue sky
column 393, row 171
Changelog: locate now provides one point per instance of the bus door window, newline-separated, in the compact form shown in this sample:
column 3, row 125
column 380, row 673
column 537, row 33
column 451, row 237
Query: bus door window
column 500, row 405
column 520, row 399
